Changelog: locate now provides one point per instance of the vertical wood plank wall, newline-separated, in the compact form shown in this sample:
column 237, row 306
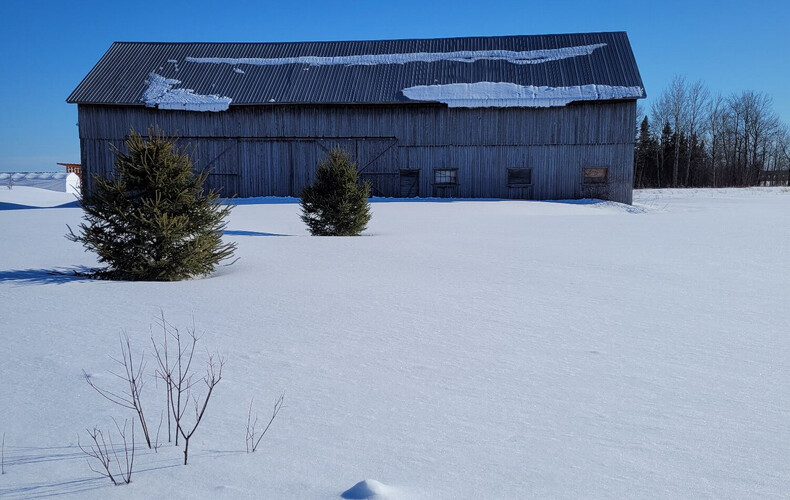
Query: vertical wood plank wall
column 274, row 150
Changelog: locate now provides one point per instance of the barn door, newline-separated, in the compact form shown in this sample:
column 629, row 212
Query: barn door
column 220, row 158
column 377, row 161
column 378, row 165
column 347, row 145
column 409, row 183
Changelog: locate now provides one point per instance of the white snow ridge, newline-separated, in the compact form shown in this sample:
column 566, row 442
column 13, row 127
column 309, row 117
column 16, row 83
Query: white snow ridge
column 465, row 56
column 160, row 93
column 506, row 94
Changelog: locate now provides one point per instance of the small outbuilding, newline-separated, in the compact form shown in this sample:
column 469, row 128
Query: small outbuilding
column 533, row 117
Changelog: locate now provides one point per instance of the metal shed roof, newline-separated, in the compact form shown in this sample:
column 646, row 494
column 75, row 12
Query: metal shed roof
column 359, row 72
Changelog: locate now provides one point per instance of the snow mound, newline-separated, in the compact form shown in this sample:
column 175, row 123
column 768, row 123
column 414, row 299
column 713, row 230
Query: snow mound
column 369, row 488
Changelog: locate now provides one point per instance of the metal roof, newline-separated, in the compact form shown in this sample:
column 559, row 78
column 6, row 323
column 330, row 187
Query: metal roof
column 274, row 76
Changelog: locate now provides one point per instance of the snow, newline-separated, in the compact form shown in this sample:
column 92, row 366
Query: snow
column 369, row 488
column 458, row 349
column 24, row 197
column 53, row 181
column 160, row 93
column 504, row 94
column 465, row 56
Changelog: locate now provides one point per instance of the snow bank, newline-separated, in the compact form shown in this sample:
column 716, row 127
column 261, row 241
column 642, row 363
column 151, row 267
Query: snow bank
column 505, row 94
column 53, row 181
column 369, row 488
column 465, row 56
column 160, row 93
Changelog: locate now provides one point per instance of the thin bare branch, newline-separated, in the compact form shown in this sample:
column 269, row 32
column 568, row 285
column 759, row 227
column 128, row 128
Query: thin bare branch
column 176, row 373
column 99, row 452
column 251, row 441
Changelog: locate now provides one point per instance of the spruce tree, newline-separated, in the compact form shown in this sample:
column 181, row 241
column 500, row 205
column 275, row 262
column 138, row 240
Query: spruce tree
column 152, row 220
column 336, row 204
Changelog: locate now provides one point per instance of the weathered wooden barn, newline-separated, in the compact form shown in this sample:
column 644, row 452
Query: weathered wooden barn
column 534, row 117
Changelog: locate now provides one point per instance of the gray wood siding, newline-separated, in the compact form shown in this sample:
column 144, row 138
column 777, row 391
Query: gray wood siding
column 274, row 150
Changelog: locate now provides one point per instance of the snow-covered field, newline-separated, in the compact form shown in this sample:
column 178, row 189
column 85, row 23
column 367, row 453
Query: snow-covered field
column 465, row 349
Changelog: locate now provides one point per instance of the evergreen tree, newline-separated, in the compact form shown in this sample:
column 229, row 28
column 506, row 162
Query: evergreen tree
column 667, row 148
column 336, row 204
column 645, row 157
column 152, row 220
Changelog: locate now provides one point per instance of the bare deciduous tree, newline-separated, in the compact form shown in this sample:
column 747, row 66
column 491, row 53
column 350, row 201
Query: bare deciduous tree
column 715, row 125
column 175, row 371
column 253, row 439
column 132, row 379
column 696, row 107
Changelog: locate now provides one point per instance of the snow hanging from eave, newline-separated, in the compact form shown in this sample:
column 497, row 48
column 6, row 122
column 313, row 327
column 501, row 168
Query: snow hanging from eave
column 508, row 95
column 464, row 56
column 161, row 94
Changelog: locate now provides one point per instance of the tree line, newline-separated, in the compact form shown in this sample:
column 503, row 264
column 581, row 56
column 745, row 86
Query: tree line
column 691, row 138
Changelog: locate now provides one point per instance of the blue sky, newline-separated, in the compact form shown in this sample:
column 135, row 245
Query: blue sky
column 48, row 47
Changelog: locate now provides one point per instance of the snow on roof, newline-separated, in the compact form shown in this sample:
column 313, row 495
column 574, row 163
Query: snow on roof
column 504, row 94
column 160, row 93
column 465, row 56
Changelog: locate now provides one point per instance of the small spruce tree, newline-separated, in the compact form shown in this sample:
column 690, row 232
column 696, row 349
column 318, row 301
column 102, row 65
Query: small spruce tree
column 336, row 204
column 152, row 220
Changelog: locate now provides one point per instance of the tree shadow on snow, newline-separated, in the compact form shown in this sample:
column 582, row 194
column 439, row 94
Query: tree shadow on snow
column 51, row 489
column 228, row 232
column 45, row 276
column 15, row 206
column 25, row 455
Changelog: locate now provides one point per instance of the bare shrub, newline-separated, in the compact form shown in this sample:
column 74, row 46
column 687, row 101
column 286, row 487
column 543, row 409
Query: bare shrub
column 253, row 439
column 104, row 455
column 132, row 380
column 175, row 370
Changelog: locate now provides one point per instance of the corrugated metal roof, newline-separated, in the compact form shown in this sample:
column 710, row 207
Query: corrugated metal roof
column 120, row 76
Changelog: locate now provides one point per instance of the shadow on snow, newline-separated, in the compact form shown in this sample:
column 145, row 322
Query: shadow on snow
column 45, row 276
column 15, row 206
column 229, row 232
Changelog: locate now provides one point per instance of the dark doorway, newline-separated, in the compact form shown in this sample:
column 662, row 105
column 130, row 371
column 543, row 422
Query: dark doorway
column 409, row 183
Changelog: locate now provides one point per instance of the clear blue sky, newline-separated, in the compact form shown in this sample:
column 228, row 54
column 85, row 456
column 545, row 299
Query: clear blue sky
column 48, row 47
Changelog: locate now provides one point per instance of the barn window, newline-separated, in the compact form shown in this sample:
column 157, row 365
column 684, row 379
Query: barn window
column 597, row 175
column 447, row 176
column 519, row 177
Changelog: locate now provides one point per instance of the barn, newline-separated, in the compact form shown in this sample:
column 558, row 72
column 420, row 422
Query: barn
column 531, row 117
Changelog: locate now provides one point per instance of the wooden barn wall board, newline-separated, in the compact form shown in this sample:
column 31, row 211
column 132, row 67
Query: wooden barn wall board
column 274, row 150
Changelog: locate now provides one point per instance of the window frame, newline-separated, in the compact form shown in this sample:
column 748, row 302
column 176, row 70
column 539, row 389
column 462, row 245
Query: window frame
column 452, row 172
column 595, row 180
column 511, row 183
